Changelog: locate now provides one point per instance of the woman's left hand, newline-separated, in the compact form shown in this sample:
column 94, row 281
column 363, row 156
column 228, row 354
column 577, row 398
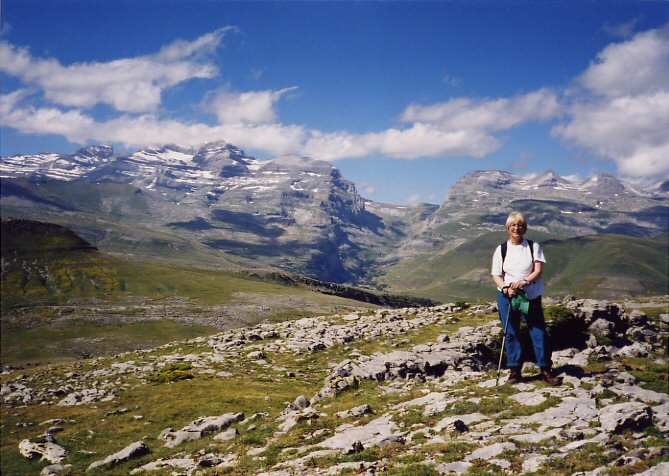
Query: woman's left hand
column 518, row 284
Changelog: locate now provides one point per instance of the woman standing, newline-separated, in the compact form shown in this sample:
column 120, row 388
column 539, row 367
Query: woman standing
column 517, row 266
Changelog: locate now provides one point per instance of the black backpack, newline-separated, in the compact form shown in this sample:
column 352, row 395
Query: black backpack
column 529, row 242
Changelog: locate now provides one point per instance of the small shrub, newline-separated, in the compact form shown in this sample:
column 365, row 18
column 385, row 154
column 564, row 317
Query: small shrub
column 172, row 372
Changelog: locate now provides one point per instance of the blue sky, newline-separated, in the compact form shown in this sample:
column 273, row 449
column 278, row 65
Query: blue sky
column 403, row 97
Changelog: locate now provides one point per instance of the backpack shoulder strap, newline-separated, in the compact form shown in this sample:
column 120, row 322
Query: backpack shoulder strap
column 531, row 244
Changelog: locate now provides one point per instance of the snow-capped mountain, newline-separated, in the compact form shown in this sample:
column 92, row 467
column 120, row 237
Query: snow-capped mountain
column 294, row 212
column 476, row 186
column 56, row 166
column 301, row 214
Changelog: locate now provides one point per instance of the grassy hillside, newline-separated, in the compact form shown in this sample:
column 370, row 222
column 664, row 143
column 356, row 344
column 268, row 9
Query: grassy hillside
column 45, row 263
column 598, row 266
column 609, row 266
column 62, row 298
column 114, row 217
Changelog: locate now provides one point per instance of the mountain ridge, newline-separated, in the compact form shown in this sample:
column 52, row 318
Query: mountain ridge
column 302, row 215
column 52, row 165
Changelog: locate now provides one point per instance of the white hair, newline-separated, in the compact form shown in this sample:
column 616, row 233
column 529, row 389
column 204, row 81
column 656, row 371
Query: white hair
column 516, row 217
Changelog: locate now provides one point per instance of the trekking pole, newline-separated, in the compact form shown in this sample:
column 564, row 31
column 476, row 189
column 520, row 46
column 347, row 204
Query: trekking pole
column 501, row 351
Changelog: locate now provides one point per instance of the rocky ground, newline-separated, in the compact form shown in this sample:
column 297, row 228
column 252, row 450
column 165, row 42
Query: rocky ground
column 405, row 391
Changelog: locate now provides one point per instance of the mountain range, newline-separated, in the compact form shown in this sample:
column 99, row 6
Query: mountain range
column 214, row 205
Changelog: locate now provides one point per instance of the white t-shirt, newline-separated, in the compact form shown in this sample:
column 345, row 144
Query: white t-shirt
column 518, row 265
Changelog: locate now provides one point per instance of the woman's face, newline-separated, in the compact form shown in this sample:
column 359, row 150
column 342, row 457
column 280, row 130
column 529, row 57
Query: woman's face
column 517, row 229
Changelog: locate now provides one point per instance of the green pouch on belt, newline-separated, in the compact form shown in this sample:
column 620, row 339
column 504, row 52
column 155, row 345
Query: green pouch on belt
column 520, row 302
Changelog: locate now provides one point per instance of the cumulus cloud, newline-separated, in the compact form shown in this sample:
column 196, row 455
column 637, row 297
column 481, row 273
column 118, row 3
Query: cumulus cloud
column 253, row 107
column 418, row 140
column 637, row 66
column 129, row 85
column 461, row 127
column 486, row 114
column 624, row 114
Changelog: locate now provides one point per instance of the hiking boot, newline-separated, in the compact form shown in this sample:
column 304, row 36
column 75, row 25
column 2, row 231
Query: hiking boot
column 550, row 377
column 515, row 376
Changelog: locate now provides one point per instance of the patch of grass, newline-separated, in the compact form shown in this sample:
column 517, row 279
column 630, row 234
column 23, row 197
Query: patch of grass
column 650, row 375
column 517, row 410
column 483, row 468
column 486, row 406
column 448, row 452
column 410, row 417
column 77, row 338
column 413, row 470
column 409, row 458
column 587, row 458
column 655, row 438
column 595, row 366
column 607, row 394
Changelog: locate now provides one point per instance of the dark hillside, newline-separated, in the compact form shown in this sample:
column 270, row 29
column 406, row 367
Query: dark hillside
column 27, row 237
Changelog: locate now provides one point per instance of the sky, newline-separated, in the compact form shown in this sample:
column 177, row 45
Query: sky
column 403, row 97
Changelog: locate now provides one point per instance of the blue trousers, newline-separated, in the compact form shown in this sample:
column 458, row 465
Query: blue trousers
column 536, row 326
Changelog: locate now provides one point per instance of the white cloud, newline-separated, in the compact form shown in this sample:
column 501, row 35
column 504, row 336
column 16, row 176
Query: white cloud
column 487, row 114
column 198, row 48
column 254, row 107
column 129, row 85
column 625, row 116
column 145, row 130
column 418, row 140
column 134, row 86
column 637, row 66
column 622, row 112
column 426, row 140
column 461, row 127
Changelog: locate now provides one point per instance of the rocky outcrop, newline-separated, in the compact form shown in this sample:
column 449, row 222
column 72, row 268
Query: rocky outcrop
column 199, row 428
column 469, row 349
column 617, row 418
column 188, row 464
column 437, row 392
column 48, row 450
column 132, row 451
